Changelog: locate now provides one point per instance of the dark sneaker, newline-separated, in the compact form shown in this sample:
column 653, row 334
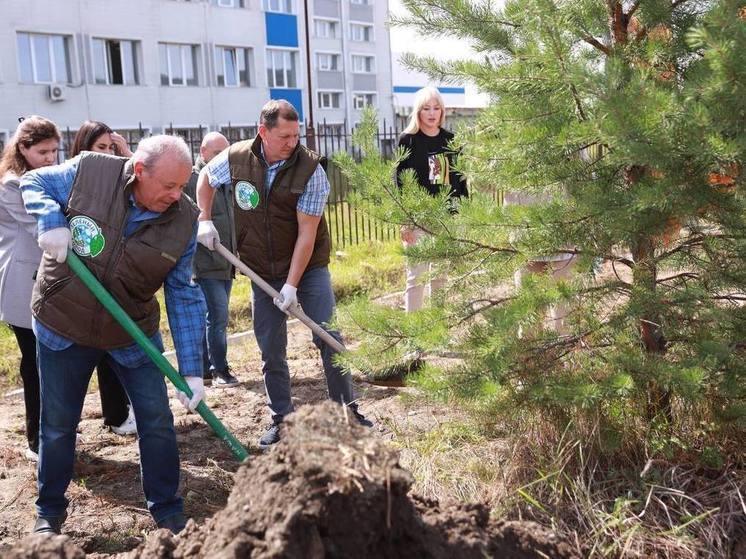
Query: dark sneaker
column 49, row 525
column 207, row 378
column 175, row 523
column 360, row 418
column 272, row 436
column 224, row 379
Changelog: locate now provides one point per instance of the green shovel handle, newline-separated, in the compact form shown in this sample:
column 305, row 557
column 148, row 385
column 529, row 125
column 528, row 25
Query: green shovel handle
column 156, row 356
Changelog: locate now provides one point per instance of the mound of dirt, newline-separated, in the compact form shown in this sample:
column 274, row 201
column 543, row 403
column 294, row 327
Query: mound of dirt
column 329, row 489
column 45, row 547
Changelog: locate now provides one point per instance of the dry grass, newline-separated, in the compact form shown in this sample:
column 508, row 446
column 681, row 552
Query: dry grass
column 614, row 504
column 620, row 506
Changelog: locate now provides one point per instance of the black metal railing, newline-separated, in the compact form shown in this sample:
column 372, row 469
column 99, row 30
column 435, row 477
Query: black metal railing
column 348, row 225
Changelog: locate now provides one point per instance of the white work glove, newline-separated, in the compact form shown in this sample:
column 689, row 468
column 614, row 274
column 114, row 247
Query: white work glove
column 197, row 386
column 288, row 297
column 55, row 243
column 207, row 235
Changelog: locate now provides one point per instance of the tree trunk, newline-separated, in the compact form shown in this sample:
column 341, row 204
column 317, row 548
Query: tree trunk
column 651, row 329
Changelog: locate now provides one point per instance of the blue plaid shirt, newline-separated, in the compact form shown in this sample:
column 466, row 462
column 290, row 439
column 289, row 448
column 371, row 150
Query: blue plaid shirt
column 311, row 202
column 45, row 194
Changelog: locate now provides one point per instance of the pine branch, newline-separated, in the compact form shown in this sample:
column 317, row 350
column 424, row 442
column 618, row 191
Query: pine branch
column 683, row 275
column 633, row 8
column 488, row 304
column 596, row 44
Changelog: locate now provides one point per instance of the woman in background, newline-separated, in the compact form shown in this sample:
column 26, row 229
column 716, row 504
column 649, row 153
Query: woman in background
column 115, row 406
column 97, row 136
column 431, row 159
column 34, row 145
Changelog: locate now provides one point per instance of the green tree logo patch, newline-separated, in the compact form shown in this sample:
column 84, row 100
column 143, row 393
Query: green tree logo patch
column 247, row 196
column 86, row 235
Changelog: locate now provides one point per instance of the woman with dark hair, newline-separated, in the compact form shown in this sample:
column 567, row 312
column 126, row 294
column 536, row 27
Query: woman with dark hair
column 115, row 406
column 34, row 145
column 97, row 136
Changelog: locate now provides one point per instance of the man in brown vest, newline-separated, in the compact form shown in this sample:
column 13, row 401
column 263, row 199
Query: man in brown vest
column 134, row 229
column 280, row 191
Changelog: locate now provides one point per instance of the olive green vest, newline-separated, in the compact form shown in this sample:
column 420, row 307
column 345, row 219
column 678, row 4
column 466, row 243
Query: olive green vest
column 265, row 218
column 131, row 268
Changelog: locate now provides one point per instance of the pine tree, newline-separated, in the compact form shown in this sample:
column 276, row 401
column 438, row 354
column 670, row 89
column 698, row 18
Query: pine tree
column 629, row 118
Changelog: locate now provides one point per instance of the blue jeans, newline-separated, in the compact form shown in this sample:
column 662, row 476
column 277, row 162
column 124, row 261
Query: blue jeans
column 316, row 297
column 64, row 377
column 215, row 343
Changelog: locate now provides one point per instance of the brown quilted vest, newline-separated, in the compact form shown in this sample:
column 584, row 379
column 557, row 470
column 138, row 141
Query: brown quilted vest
column 266, row 234
column 131, row 268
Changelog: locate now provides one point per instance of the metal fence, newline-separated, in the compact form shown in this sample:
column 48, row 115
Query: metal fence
column 348, row 224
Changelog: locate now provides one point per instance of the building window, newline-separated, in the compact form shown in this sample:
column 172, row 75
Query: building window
column 325, row 29
column 329, row 99
column 231, row 3
column 44, row 58
column 192, row 136
column 361, row 2
column 361, row 33
column 133, row 135
column 115, row 62
column 239, row 132
column 363, row 64
column 328, row 129
column 281, row 68
column 178, row 64
column 280, row 6
column 328, row 62
column 233, row 66
column 361, row 100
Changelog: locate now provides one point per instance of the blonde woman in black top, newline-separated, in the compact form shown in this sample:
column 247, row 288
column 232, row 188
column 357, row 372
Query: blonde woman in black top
column 431, row 159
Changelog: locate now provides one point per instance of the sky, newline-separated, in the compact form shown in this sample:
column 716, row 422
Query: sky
column 408, row 40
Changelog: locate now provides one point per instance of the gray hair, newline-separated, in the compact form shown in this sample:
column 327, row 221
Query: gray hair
column 151, row 149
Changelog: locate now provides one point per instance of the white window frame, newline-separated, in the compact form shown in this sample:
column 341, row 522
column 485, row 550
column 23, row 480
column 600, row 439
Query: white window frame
column 320, row 92
column 363, row 55
column 70, row 45
column 266, row 6
column 338, row 54
column 249, row 67
column 291, row 50
column 324, row 131
column 170, row 128
column 371, row 35
column 355, row 93
column 222, row 127
column 229, row 4
column 135, row 60
column 329, row 20
column 195, row 49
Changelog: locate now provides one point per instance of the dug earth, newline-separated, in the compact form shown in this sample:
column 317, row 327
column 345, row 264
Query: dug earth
column 329, row 489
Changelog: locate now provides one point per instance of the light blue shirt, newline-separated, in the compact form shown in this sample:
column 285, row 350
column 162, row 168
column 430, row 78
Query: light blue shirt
column 311, row 202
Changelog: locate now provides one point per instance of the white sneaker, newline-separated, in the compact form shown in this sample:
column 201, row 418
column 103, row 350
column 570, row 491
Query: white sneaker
column 31, row 455
column 129, row 427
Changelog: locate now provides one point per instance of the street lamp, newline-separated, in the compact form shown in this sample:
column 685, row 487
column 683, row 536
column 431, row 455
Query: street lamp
column 310, row 131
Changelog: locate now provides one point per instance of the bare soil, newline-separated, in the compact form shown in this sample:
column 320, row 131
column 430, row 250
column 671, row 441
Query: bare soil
column 329, row 489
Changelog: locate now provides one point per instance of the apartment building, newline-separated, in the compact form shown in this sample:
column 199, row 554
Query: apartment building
column 163, row 65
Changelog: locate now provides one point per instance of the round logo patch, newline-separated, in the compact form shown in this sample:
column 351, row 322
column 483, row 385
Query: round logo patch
column 247, row 197
column 86, row 236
